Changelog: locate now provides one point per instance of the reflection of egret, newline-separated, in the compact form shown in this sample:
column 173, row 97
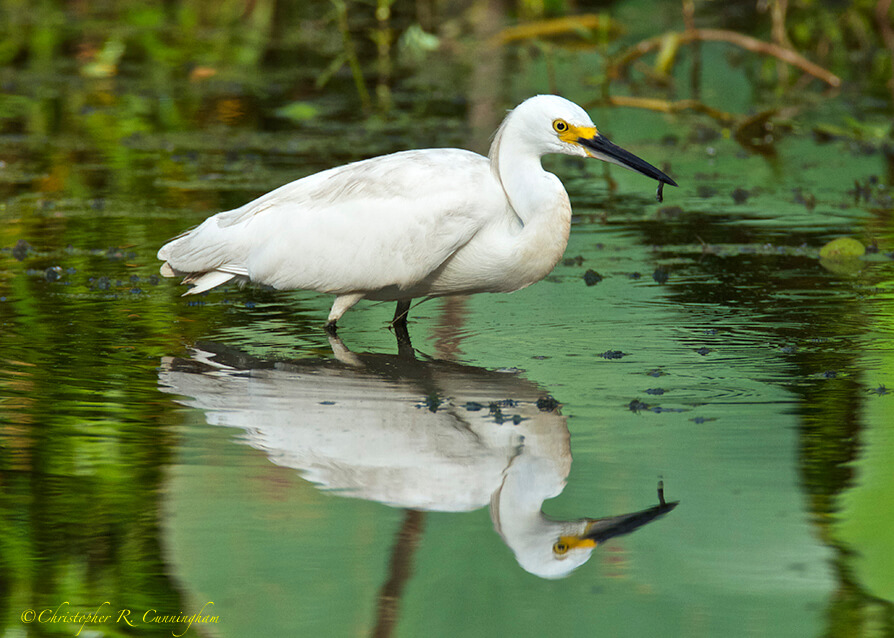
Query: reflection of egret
column 420, row 435
column 425, row 223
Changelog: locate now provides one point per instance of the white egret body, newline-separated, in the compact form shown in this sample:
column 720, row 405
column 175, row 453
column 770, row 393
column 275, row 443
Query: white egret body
column 423, row 223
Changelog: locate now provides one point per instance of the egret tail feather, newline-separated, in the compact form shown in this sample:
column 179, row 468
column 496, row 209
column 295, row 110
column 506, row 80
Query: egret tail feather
column 206, row 281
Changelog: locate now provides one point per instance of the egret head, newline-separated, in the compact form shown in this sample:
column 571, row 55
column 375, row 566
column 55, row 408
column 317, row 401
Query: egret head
column 556, row 125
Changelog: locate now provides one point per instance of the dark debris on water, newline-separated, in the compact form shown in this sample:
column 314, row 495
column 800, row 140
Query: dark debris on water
column 740, row 195
column 808, row 200
column 21, row 250
column 613, row 354
column 872, row 192
column 101, row 283
column 638, row 406
column 432, row 402
column 496, row 411
column 591, row 277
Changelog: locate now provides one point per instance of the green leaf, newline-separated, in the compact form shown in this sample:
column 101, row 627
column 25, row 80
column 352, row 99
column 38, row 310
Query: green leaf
column 842, row 248
column 297, row 111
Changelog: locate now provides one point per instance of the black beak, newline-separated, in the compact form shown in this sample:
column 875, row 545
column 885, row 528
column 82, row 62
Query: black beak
column 605, row 528
column 602, row 149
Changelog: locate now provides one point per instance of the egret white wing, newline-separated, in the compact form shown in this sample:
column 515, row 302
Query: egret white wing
column 386, row 222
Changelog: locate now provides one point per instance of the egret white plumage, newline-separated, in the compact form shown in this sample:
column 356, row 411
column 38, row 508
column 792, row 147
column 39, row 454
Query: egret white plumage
column 423, row 223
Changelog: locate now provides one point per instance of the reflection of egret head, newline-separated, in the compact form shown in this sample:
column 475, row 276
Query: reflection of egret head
column 551, row 548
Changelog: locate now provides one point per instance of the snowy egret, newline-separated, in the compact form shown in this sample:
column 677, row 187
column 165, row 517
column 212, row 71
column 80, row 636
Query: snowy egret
column 353, row 426
column 423, row 223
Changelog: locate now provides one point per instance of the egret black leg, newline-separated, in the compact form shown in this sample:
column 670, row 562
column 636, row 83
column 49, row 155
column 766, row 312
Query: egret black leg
column 400, row 313
column 399, row 323
column 331, row 328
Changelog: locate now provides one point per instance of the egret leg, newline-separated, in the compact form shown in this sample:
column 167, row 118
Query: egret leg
column 340, row 307
column 342, row 354
column 399, row 323
column 400, row 313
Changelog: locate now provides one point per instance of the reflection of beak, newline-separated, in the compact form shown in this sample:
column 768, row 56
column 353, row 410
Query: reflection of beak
column 599, row 147
column 601, row 529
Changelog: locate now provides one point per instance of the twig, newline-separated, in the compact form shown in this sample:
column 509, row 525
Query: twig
column 720, row 35
column 583, row 24
column 778, row 12
column 383, row 36
column 350, row 53
column 665, row 106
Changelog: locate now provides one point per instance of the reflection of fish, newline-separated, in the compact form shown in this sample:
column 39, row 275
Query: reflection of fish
column 426, row 435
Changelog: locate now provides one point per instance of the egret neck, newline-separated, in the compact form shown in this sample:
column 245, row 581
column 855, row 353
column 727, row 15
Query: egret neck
column 537, row 198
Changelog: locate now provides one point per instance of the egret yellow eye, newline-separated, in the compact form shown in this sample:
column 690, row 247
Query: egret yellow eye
column 560, row 126
column 560, row 547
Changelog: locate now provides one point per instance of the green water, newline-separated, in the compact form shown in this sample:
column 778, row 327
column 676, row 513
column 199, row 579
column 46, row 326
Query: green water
column 330, row 489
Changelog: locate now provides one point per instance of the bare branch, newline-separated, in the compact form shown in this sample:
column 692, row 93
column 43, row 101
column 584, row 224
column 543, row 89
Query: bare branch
column 666, row 106
column 720, row 35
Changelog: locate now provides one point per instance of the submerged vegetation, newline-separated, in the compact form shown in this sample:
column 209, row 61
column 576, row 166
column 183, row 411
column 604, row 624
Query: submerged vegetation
column 251, row 59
